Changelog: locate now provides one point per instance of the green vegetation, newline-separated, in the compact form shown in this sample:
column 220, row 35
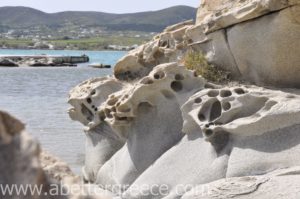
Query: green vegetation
column 196, row 61
column 97, row 43
column 16, row 43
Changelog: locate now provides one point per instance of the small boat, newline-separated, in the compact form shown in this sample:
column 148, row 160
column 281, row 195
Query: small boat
column 98, row 65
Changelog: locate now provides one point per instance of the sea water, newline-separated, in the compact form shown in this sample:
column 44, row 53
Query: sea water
column 38, row 97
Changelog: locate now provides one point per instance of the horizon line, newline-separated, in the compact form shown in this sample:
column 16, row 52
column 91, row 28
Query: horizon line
column 96, row 11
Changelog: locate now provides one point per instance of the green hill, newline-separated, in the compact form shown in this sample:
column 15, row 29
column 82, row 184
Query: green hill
column 153, row 21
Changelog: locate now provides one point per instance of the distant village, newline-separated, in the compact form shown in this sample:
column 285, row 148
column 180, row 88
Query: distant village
column 42, row 37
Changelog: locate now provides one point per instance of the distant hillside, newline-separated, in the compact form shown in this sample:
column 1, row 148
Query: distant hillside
column 154, row 21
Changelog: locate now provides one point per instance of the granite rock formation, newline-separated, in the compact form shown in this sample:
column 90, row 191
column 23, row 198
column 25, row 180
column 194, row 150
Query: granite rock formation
column 196, row 139
column 169, row 46
column 255, row 40
column 179, row 130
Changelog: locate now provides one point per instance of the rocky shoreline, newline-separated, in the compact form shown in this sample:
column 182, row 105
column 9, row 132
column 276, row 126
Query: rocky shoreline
column 41, row 60
column 158, row 130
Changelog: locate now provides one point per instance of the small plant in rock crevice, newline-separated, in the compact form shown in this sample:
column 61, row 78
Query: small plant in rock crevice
column 195, row 60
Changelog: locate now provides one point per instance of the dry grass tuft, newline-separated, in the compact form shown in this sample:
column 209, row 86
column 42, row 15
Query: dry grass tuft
column 196, row 61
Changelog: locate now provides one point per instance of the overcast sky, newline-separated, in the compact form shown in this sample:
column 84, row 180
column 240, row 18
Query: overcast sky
column 112, row 6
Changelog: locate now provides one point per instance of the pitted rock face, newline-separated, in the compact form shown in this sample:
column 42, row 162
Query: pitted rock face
column 101, row 141
column 149, row 114
column 244, row 111
column 167, row 80
column 87, row 97
column 166, row 47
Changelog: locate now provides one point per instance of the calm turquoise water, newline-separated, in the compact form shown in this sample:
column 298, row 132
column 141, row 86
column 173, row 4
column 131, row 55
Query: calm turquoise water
column 38, row 96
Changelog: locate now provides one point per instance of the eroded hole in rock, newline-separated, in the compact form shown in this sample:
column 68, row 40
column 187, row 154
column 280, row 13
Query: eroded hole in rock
column 96, row 109
column 158, row 54
column 121, row 118
column 208, row 132
column 112, row 101
column 213, row 93
column 216, row 110
column 159, row 75
column 226, row 106
column 239, row 91
column 108, row 113
column 102, row 115
column 176, row 86
column 147, row 80
column 164, row 44
column 168, row 94
column 113, row 109
column 144, row 107
column 198, row 100
column 124, row 108
column 218, row 13
column 179, row 77
column 225, row 93
column 195, row 74
column 87, row 113
column 93, row 92
column 209, row 124
column 89, row 100
column 201, row 117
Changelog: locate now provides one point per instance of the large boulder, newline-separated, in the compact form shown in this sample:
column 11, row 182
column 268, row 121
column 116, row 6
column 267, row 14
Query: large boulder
column 20, row 166
column 237, row 131
column 266, row 50
column 219, row 132
column 149, row 112
column 215, row 15
column 256, row 40
column 28, row 173
column 101, row 141
column 168, row 46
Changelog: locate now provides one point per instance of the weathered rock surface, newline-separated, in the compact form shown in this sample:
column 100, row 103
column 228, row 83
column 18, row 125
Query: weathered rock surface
column 215, row 15
column 30, row 174
column 271, row 55
column 198, row 140
column 143, row 113
column 257, row 40
column 233, row 132
column 41, row 60
column 279, row 184
column 168, row 85
column 240, row 132
column 8, row 63
column 166, row 47
column 57, row 169
column 101, row 141
column 19, row 157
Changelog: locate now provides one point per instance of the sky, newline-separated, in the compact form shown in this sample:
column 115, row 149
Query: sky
column 111, row 6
